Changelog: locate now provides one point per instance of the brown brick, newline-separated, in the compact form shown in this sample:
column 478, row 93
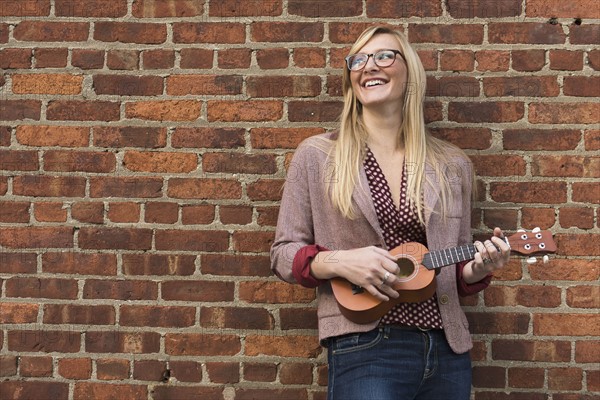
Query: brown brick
column 208, row 137
column 578, row 217
column 36, row 366
column 87, row 58
column 587, row 351
column 79, row 314
column 270, row 58
column 158, row 59
column 284, row 346
column 320, row 9
column 186, row 371
column 234, row 58
column 157, row 316
column 120, row 289
column 181, row 85
column 19, row 313
column 274, row 293
column 49, row 186
column 64, row 84
column 454, row 34
column 525, row 32
column 92, row 212
column 308, row 57
column 541, row 8
column 157, row 264
column 196, row 58
column 528, row 296
column 35, row 390
column 192, row 240
column 50, row 288
column 526, row 377
column 91, row 8
column 44, row 31
column 247, row 265
column 50, row 212
column 586, row 192
column 78, row 161
column 564, row 113
column 112, row 369
column 189, row 188
column 15, row 58
column 223, row 372
column 314, row 111
column 130, row 136
column 8, row 366
column 239, row 215
column 18, row 160
column 44, row 341
column 37, row 237
column 503, row 217
column 566, row 60
column 149, row 370
column 127, row 187
column 296, row 373
column 475, row 111
column 298, row 318
column 522, row 86
column 564, row 269
column 197, row 214
column 250, row 8
column 5, row 136
column 528, row 60
column 115, row 238
column 203, row 291
column 583, row 86
column 122, row 342
column 75, row 368
column 130, row 32
column 583, row 297
column 541, row 139
column 173, row 8
column 51, row 58
column 450, row 86
column 465, row 138
column 239, row 163
column 280, row 138
column 123, row 59
column 558, row 324
column 124, row 212
column 252, row 241
column 11, row 110
column 250, row 111
column 498, row 322
column 492, row 60
column 62, row 136
column 489, row 377
column 565, row 378
column 82, row 110
column 160, row 161
column 287, row 31
column 593, row 59
column 187, row 392
column 209, row 32
column 93, row 390
column 196, row 344
column 18, row 263
column 529, row 192
column 241, row 318
column 484, row 8
column 79, row 263
column 259, row 372
column 457, row 60
column 566, row 166
column 128, row 85
column 14, row 211
column 265, row 189
column 37, row 8
column 161, row 212
column 166, row 110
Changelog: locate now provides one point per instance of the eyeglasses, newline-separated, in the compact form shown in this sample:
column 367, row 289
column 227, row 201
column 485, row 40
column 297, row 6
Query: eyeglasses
column 383, row 58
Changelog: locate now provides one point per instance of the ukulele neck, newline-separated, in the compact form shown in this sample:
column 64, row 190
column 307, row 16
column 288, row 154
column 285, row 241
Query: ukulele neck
column 442, row 258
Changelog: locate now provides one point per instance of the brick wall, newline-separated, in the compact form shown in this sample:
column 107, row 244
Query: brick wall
column 143, row 146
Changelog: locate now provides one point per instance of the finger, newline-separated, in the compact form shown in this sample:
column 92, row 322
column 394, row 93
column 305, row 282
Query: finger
column 376, row 293
column 498, row 232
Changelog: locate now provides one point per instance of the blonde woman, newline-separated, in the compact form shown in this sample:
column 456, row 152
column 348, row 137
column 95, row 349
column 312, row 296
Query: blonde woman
column 353, row 195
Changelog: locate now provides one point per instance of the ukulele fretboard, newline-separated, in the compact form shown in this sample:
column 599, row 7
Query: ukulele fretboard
column 441, row 258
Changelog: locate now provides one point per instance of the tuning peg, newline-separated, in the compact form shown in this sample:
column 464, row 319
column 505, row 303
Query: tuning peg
column 521, row 230
column 536, row 229
column 545, row 259
column 531, row 260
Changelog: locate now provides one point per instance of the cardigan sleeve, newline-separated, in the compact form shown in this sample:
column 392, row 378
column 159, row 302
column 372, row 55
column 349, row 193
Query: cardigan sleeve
column 466, row 289
column 301, row 265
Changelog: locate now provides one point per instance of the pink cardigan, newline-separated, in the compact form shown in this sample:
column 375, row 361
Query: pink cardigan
column 306, row 216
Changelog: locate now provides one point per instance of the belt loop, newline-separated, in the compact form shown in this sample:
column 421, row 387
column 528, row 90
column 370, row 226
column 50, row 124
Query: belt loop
column 386, row 331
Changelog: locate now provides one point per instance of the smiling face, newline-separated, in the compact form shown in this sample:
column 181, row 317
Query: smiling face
column 375, row 86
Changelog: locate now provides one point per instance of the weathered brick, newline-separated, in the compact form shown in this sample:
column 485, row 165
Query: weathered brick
column 79, row 263
column 124, row 85
column 130, row 136
column 162, row 9
column 83, row 161
column 126, row 187
column 79, row 314
column 112, row 369
column 211, row 241
column 239, row 318
column 249, row 111
column 270, row 58
column 157, row 316
column 91, row 8
column 87, row 58
column 11, row 110
column 203, row 291
column 557, row 324
column 475, row 111
column 94, row 390
column 484, row 8
column 122, row 342
column 239, row 163
column 223, row 372
column 166, row 110
column 44, row 340
column 457, row 60
column 523, row 86
column 249, row 8
column 197, row 214
column 566, row 166
column 157, row 264
column 124, row 212
column 542, row 8
column 120, row 290
column 566, row 60
column 123, row 59
column 158, row 59
column 83, row 110
column 35, row 390
column 314, row 111
column 525, row 32
column 130, row 32
column 181, row 85
column 274, row 293
column 75, row 368
column 50, row 212
column 209, row 32
column 190, row 188
column 160, row 161
column 541, row 139
column 284, row 346
column 583, row 86
column 45, row 31
column 51, row 58
column 115, row 238
column 196, row 344
column 208, row 137
column 19, row 313
column 19, row 160
column 437, row 33
column 234, row 58
column 564, row 113
column 287, row 31
column 36, row 237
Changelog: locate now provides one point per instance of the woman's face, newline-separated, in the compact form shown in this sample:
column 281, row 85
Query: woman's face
column 376, row 86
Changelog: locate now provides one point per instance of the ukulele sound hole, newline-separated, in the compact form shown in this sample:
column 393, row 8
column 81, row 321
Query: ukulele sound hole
column 407, row 268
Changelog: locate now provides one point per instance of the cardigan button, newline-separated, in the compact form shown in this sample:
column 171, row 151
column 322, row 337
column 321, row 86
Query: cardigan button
column 444, row 299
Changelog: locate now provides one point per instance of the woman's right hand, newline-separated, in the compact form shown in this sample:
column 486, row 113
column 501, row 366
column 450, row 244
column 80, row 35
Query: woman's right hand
column 372, row 268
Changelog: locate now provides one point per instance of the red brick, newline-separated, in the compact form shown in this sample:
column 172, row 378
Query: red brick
column 498, row 323
column 484, row 8
column 274, row 293
column 454, row 34
column 584, row 34
column 79, row 314
column 189, row 188
column 522, row 86
column 528, row 296
column 4, row 33
column 157, row 316
column 287, row 31
column 314, row 111
column 203, row 291
column 209, row 32
column 122, row 342
column 450, row 86
column 75, row 368
column 123, row 59
column 61, row 136
column 91, row 212
column 475, row 111
column 158, row 59
column 247, row 265
column 50, row 212
column 591, row 139
column 196, row 58
column 186, row 371
column 283, row 346
column 249, row 111
column 465, row 138
column 112, row 369
column 298, row 318
column 503, row 217
column 583, row 297
column 11, row 110
column 541, row 139
column 44, row 341
column 529, row 192
column 223, row 372
column 241, row 318
column 200, row 137
column 130, row 32
column 15, row 58
column 259, row 372
column 566, row 60
column 578, row 217
column 91, row 8
column 492, row 60
column 82, row 110
column 43, row 31
column 64, row 84
column 239, row 163
column 14, row 211
column 559, row 324
column 93, row 390
column 239, row 215
column 87, row 58
column 79, row 263
column 198, row 344
column 128, row 187
column 181, row 85
column 308, row 57
column 36, row 366
column 160, row 161
column 31, row 8
column 5, row 136
column 187, row 392
column 18, row 263
column 18, row 313
column 457, row 60
column 587, row 351
column 249, row 8
column 77, row 161
column 582, row 86
column 130, row 136
column 565, row 378
column 128, row 85
column 115, row 238
column 157, row 264
column 429, row 59
column 192, row 240
column 21, row 390
column 162, row 213
column 566, row 166
column 280, row 138
column 8, row 366
column 270, row 58
column 198, row 214
column 273, row 394
column 265, row 189
column 124, row 212
column 283, row 86
column 489, row 377
column 593, row 59
column 234, row 58
column 51, row 288
column 558, row 9
column 528, row 60
column 320, row 9
column 36, row 237
column 526, row 377
column 586, row 192
column 252, row 241
column 564, row 269
column 564, row 113
column 51, row 58
column 120, row 290
column 296, row 373
column 18, row 160
column 173, row 8
column 407, row 9
column 166, row 110
column 149, row 370
column 525, row 32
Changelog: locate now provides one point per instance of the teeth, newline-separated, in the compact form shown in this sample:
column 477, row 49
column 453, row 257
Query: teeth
column 374, row 83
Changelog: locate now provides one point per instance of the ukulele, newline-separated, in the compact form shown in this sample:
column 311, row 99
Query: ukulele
column 417, row 272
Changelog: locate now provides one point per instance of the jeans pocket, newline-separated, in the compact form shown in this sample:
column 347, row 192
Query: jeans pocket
column 355, row 342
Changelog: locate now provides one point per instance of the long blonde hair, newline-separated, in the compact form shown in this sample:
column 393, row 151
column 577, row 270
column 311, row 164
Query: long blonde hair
column 347, row 151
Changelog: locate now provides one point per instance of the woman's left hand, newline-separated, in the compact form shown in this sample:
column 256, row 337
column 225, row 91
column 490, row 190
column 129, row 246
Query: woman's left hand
column 492, row 254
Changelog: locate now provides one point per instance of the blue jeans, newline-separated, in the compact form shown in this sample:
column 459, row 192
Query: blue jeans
column 397, row 363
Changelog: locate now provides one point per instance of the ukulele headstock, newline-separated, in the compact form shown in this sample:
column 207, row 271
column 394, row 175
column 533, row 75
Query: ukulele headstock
column 532, row 243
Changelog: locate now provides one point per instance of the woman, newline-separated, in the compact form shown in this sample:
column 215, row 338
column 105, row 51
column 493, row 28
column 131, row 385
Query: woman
column 350, row 197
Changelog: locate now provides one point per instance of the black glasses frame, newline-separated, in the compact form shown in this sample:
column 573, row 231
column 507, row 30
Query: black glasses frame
column 348, row 58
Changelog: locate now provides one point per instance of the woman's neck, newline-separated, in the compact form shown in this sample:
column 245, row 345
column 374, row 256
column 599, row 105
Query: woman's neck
column 383, row 129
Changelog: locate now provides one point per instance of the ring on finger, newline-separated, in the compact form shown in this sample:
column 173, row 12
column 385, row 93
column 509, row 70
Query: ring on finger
column 487, row 261
column 385, row 277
